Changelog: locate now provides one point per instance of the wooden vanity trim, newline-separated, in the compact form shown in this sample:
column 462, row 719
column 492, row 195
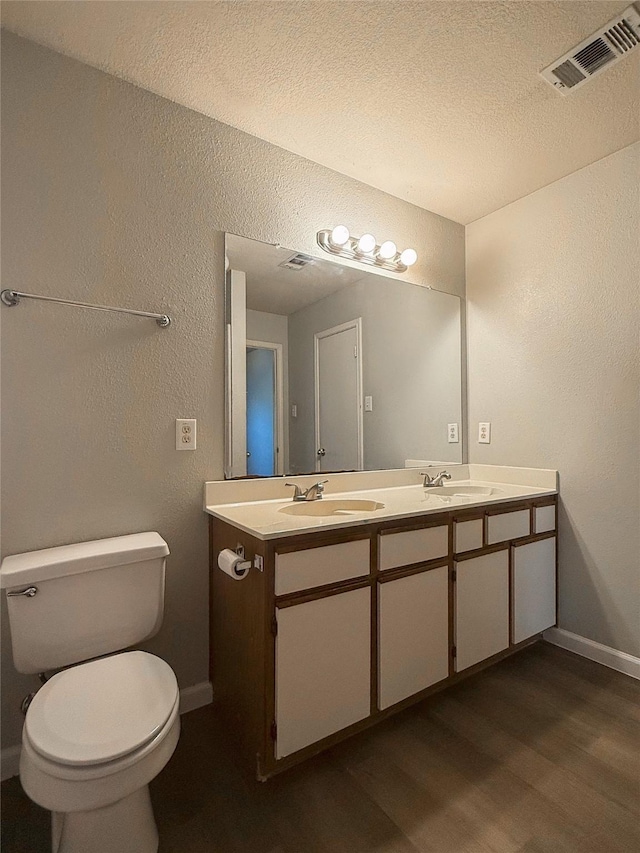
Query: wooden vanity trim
column 534, row 537
column 545, row 500
column 317, row 539
column 386, row 575
column 236, row 667
column 395, row 525
column 250, row 711
column 505, row 508
column 480, row 552
column 302, row 596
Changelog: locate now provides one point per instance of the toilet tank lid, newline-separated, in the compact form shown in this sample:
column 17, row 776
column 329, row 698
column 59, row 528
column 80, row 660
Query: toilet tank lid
column 33, row 566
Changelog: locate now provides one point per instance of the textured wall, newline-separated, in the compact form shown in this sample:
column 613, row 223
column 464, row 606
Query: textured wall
column 553, row 319
column 410, row 366
column 112, row 194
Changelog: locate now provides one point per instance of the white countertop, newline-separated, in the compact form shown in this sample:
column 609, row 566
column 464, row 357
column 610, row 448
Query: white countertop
column 272, row 518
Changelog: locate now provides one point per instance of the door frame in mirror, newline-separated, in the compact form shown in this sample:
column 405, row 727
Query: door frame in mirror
column 277, row 349
column 356, row 324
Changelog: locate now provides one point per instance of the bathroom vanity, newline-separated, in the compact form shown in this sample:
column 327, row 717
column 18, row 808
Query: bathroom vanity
column 350, row 614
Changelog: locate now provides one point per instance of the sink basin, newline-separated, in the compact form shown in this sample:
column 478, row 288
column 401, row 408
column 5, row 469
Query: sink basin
column 328, row 506
column 464, row 491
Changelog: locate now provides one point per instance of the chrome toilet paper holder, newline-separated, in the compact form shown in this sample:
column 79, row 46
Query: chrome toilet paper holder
column 258, row 561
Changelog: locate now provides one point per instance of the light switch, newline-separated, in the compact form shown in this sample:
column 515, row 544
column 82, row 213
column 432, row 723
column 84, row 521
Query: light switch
column 368, row 404
column 452, row 433
column 294, row 410
column 484, row 433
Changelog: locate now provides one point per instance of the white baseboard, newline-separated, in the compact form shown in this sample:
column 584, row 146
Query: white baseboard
column 196, row 696
column 191, row 698
column 620, row 661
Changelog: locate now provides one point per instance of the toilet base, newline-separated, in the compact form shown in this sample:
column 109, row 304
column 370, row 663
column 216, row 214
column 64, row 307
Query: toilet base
column 127, row 826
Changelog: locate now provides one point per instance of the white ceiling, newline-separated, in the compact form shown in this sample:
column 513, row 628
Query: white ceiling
column 438, row 103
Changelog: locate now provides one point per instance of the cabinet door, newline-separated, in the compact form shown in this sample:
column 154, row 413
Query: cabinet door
column 323, row 668
column 482, row 608
column 534, row 588
column 413, row 644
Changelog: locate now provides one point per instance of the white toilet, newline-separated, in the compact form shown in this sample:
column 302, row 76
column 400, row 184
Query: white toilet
column 96, row 733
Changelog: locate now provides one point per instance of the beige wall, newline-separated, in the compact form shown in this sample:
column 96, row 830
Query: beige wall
column 112, row 194
column 553, row 287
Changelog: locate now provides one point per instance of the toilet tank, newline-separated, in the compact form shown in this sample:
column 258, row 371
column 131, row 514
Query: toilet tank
column 90, row 599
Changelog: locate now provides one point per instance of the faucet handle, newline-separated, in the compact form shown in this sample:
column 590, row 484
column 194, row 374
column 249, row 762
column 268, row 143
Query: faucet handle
column 428, row 479
column 320, row 486
column 298, row 491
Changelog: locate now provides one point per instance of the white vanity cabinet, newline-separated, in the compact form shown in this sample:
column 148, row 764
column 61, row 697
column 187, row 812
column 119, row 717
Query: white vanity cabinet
column 481, row 608
column 533, row 567
column 322, row 668
column 413, row 634
column 333, row 630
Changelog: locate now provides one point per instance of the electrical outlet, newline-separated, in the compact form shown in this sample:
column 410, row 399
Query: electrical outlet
column 294, row 410
column 185, row 433
column 484, row 433
column 368, row 404
column 452, row 433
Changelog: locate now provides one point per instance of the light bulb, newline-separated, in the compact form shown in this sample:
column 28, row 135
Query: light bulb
column 366, row 244
column 339, row 236
column 409, row 257
column 387, row 250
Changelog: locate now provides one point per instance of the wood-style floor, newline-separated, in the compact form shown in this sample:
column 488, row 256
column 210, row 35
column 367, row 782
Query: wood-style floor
column 538, row 754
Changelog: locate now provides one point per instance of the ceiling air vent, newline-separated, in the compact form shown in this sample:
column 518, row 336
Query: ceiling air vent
column 602, row 49
column 296, row 262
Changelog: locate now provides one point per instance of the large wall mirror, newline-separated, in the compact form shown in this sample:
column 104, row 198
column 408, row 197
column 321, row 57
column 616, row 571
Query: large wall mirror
column 336, row 368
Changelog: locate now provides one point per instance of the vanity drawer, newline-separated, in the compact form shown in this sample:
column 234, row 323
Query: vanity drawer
column 508, row 525
column 545, row 518
column 296, row 570
column 413, row 546
column 467, row 535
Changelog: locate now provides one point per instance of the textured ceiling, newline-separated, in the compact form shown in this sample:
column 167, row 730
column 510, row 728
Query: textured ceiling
column 438, row 103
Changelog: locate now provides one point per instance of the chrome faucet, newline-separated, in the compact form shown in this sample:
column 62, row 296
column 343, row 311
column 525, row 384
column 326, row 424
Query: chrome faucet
column 313, row 493
column 430, row 482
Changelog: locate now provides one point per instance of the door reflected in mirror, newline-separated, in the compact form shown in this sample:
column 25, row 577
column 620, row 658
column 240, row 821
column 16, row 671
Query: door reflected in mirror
column 334, row 368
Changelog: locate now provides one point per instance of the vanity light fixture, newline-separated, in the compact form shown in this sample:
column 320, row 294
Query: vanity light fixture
column 338, row 241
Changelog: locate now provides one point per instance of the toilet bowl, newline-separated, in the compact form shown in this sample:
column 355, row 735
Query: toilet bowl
column 100, row 729
column 94, row 737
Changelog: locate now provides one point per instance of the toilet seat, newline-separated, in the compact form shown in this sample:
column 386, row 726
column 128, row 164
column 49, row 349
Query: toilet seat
column 98, row 712
column 65, row 788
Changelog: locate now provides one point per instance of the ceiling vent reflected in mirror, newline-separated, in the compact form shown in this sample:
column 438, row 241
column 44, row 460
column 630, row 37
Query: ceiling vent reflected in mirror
column 600, row 50
column 296, row 262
